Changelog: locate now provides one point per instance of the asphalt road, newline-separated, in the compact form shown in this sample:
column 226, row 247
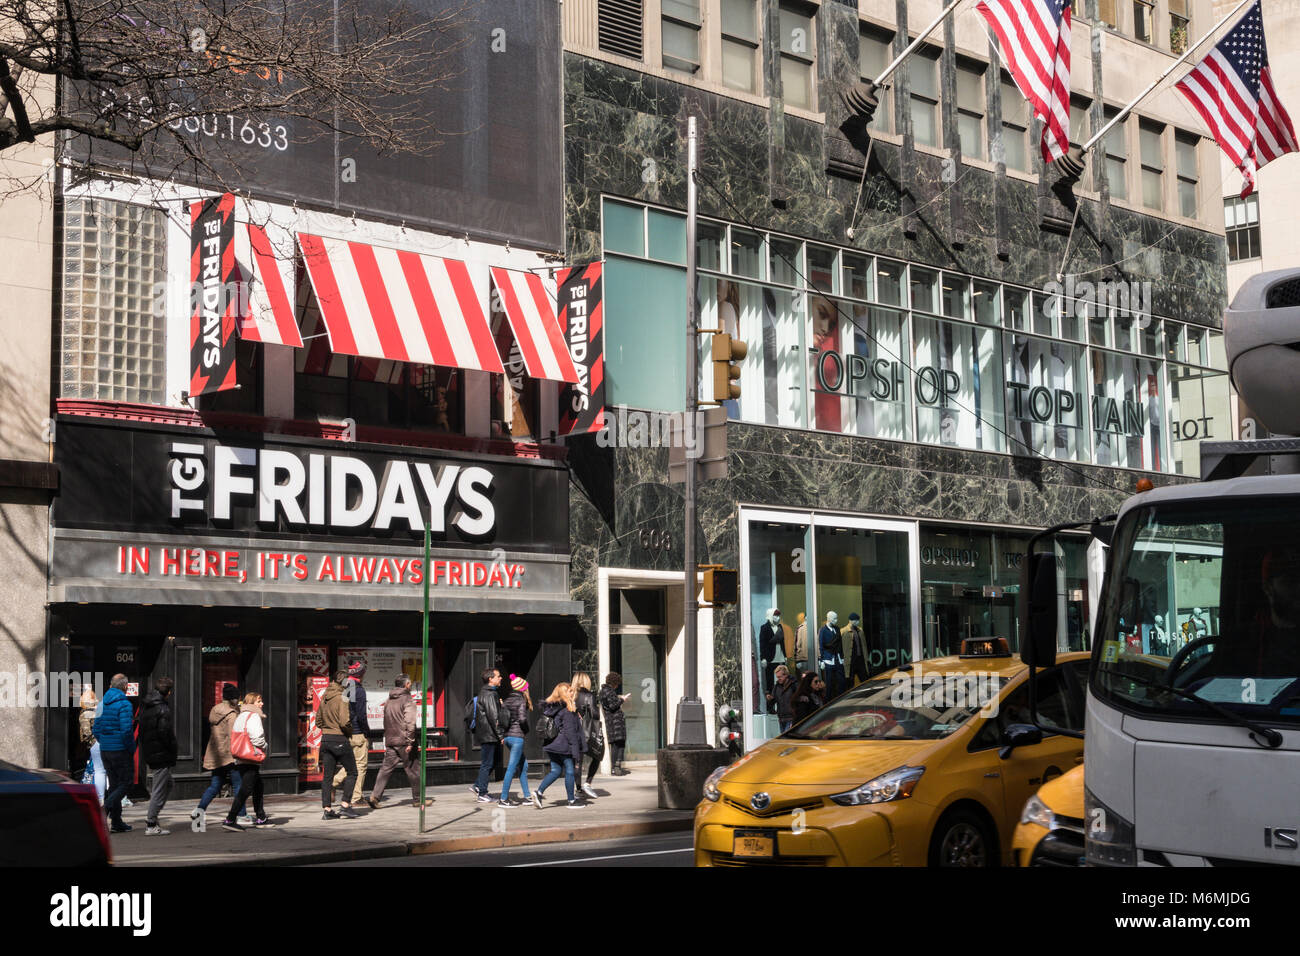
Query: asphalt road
column 657, row 850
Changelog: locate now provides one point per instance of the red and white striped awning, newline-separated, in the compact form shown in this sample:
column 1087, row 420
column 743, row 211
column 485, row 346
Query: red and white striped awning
column 530, row 307
column 270, row 317
column 401, row 306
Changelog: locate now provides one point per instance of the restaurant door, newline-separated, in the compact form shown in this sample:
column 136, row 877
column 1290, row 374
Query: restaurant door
column 636, row 652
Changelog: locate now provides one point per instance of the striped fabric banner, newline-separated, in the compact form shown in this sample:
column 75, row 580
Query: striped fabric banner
column 271, row 318
column 530, row 307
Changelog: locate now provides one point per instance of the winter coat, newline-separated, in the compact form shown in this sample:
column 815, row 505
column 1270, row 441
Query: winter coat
column 517, row 709
column 332, row 718
column 783, row 697
column 806, row 704
column 113, row 727
column 615, row 719
column 85, row 723
column 250, row 721
column 569, row 742
column 589, row 716
column 400, row 712
column 221, row 718
column 491, row 722
column 357, row 708
column 157, row 731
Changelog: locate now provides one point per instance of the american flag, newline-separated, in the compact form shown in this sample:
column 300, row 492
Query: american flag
column 1232, row 89
column 1035, row 39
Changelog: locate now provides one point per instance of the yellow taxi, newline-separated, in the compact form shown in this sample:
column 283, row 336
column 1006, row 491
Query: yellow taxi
column 1051, row 825
column 929, row 764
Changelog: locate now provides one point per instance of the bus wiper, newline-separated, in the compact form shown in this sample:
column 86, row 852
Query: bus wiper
column 1273, row 738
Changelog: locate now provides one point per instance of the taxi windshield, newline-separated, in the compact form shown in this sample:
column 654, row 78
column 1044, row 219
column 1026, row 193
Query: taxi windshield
column 1205, row 600
column 909, row 706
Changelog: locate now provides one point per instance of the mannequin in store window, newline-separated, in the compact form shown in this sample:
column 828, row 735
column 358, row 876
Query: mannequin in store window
column 771, row 644
column 800, row 655
column 831, row 655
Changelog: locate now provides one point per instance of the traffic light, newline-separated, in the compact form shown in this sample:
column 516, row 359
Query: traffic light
column 725, row 351
column 729, row 734
column 721, row 586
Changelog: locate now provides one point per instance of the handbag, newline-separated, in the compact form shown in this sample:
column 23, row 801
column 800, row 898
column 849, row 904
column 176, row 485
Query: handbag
column 241, row 745
column 88, row 775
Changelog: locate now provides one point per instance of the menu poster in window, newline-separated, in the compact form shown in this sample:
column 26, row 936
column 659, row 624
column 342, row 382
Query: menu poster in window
column 582, row 406
column 313, row 659
column 215, row 295
column 308, row 733
column 383, row 664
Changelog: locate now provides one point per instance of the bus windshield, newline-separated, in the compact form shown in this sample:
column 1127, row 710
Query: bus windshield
column 1205, row 597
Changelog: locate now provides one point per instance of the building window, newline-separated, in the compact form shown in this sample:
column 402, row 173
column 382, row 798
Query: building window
column 113, row 333
column 970, row 109
column 1153, row 165
column 1107, row 12
column 1079, row 124
column 1117, row 157
column 923, row 83
column 618, row 27
column 681, row 35
column 1015, row 127
column 1143, row 15
column 740, row 44
column 1185, row 163
column 1241, row 225
column 1178, row 26
column 875, row 51
column 798, row 56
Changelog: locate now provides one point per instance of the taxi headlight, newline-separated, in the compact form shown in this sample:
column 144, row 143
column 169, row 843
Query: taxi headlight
column 1038, row 812
column 896, row 785
column 711, row 791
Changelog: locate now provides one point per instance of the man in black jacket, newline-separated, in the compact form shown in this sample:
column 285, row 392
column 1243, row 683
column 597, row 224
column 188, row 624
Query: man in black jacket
column 490, row 723
column 360, row 739
column 158, row 747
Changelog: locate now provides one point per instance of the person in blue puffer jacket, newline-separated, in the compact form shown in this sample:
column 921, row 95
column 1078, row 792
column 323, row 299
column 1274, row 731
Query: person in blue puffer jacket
column 116, row 735
column 565, row 751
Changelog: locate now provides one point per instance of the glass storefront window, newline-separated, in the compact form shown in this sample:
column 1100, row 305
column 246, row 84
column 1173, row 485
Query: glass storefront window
column 821, row 268
column 1199, row 407
column 1127, row 411
column 925, row 289
column 624, row 228
column 1016, row 302
column 776, row 581
column 1218, row 357
column 746, row 253
column 958, row 384
column 1046, row 412
column 1151, row 337
column 667, row 235
column 956, row 568
column 709, row 240
column 1198, row 346
column 986, row 302
column 1072, row 315
column 956, row 296
column 1124, row 327
column 655, row 295
column 785, row 261
column 1098, row 329
column 858, row 379
column 1175, row 333
column 857, row 274
column 889, row 282
column 1045, row 308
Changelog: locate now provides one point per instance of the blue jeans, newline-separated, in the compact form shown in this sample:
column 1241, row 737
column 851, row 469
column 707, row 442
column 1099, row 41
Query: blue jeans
column 490, row 751
column 101, row 775
column 515, row 762
column 221, row 774
column 559, row 765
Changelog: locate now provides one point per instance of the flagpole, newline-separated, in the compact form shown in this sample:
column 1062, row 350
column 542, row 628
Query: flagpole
column 426, row 682
column 884, row 74
column 1120, row 116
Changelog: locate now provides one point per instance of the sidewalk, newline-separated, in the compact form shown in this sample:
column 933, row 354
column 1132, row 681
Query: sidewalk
column 627, row 806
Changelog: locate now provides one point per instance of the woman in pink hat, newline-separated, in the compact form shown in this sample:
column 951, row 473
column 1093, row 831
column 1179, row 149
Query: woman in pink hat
column 517, row 704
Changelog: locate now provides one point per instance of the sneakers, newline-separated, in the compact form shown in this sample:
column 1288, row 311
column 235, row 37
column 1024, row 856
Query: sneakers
column 505, row 803
column 587, row 789
column 156, row 830
column 120, row 828
column 373, row 803
column 348, row 812
column 474, row 790
column 262, row 823
column 329, row 815
column 126, row 802
column 484, row 798
column 232, row 826
column 537, row 800
column 576, row 805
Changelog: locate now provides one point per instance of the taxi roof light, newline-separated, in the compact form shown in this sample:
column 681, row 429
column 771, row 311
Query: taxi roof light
column 985, row 647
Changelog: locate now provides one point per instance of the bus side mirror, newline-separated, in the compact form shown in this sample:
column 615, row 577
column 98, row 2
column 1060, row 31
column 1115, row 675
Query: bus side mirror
column 1038, row 612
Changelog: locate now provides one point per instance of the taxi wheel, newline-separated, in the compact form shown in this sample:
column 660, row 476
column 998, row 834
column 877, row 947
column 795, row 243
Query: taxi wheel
column 962, row 839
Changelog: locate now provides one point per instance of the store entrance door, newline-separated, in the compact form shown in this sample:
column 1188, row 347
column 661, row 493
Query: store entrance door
column 636, row 652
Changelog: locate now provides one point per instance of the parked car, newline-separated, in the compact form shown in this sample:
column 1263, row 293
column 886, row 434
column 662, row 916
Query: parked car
column 1051, row 825
column 46, row 819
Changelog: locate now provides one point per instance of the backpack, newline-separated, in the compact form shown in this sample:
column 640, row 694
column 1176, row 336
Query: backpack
column 548, row 727
column 471, row 715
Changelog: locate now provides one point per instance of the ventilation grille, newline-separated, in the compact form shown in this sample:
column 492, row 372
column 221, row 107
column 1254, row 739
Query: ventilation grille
column 1284, row 295
column 619, row 27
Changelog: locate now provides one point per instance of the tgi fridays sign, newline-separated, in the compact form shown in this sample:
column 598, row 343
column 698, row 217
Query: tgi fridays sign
column 215, row 295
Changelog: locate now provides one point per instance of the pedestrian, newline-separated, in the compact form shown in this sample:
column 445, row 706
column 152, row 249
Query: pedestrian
column 807, row 697
column 217, row 758
column 359, row 740
column 856, row 652
column 611, row 702
column 250, row 724
column 335, row 725
column 782, row 698
column 400, row 750
column 565, row 749
column 158, row 748
column 517, row 704
column 113, row 728
column 488, row 723
column 593, row 733
column 94, row 759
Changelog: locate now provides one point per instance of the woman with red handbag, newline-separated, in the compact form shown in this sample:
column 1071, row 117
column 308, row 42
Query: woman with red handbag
column 248, row 746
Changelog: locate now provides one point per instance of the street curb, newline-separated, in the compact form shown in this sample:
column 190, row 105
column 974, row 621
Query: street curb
column 421, row 847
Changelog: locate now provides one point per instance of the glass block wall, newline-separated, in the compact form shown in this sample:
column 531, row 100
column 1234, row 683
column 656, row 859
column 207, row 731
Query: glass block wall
column 113, row 335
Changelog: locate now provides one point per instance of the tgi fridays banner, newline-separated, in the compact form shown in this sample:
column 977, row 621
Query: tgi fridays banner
column 215, row 294
column 582, row 406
